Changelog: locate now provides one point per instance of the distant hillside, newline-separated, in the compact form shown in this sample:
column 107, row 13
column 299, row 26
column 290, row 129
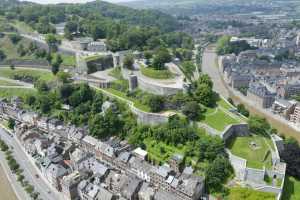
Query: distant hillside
column 108, row 10
column 190, row 7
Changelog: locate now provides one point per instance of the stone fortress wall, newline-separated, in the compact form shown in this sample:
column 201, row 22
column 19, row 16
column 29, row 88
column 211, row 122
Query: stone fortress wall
column 151, row 87
column 250, row 176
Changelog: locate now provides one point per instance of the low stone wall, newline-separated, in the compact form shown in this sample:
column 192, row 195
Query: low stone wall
column 149, row 118
column 26, row 63
column 271, row 189
column 150, row 87
column 235, row 130
column 156, row 89
column 239, row 165
column 255, row 175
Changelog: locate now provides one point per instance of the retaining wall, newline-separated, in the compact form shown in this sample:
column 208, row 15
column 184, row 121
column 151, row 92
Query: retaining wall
column 150, row 87
column 149, row 118
column 239, row 165
column 255, row 175
column 235, row 130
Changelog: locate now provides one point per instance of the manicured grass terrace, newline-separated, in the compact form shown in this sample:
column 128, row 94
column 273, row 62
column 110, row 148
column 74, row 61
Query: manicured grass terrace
column 136, row 103
column 218, row 119
column 238, row 193
column 11, row 92
column 39, row 74
column 256, row 157
column 156, row 74
column 8, row 83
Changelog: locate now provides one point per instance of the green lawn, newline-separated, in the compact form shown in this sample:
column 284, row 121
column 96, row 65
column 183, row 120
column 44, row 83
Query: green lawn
column 40, row 74
column 137, row 104
column 238, row 193
column 8, row 83
column 218, row 119
column 291, row 190
column 156, row 74
column 68, row 60
column 11, row 92
column 221, row 102
column 116, row 73
column 256, row 158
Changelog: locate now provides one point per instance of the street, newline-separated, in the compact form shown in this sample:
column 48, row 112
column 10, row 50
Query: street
column 29, row 169
column 209, row 67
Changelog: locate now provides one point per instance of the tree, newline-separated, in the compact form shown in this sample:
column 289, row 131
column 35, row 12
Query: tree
column 15, row 38
column 258, row 125
column 2, row 55
column 128, row 61
column 41, row 86
column 64, row 77
column 161, row 57
column 291, row 155
column 223, row 46
column 217, row 173
column 204, row 95
column 52, row 42
column 205, row 79
column 12, row 66
column 30, row 100
column 192, row 110
column 55, row 67
column 242, row 109
column 11, row 123
column 156, row 103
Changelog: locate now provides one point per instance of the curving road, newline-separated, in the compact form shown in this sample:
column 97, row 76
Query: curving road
column 209, row 67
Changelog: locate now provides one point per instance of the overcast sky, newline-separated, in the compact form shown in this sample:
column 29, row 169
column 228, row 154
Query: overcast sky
column 71, row 1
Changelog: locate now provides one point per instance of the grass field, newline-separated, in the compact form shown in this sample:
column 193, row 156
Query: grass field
column 40, row 74
column 11, row 92
column 238, row 193
column 256, row 158
column 8, row 83
column 156, row 74
column 68, row 60
column 137, row 104
column 218, row 119
column 291, row 190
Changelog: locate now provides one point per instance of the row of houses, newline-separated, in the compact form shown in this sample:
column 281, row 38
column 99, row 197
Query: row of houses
column 82, row 167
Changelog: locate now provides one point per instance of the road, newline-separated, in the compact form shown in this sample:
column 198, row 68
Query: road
column 209, row 67
column 30, row 170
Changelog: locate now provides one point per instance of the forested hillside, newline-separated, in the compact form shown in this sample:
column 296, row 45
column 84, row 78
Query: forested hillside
column 123, row 27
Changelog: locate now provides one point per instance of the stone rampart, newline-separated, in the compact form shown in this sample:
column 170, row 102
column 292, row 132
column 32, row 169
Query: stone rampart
column 235, row 130
column 255, row 175
column 239, row 165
